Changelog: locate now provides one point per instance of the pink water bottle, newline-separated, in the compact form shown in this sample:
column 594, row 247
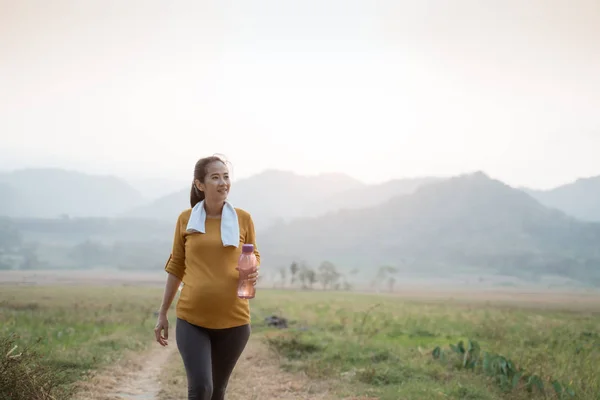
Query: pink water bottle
column 246, row 265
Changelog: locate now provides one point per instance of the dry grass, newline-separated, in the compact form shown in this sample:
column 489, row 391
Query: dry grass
column 137, row 375
column 79, row 330
column 257, row 376
column 25, row 376
column 102, row 336
column 382, row 346
column 511, row 298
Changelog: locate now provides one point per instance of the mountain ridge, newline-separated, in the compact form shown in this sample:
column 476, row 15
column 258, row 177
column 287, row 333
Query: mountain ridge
column 469, row 221
column 64, row 192
column 580, row 198
column 274, row 195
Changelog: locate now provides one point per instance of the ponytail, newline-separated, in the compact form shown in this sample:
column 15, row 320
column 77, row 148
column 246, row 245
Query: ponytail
column 196, row 196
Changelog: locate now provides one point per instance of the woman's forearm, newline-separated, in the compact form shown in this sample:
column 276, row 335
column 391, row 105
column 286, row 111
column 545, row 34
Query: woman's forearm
column 171, row 287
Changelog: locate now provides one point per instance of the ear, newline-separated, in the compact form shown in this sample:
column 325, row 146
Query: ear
column 199, row 185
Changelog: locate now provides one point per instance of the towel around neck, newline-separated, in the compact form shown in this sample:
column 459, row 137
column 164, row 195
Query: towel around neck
column 230, row 229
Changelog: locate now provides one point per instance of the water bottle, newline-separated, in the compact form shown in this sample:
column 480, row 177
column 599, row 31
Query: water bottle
column 246, row 265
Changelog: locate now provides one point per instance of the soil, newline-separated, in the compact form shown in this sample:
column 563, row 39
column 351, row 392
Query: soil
column 157, row 375
column 137, row 377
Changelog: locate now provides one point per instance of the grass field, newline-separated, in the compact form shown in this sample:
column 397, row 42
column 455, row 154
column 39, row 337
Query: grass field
column 364, row 345
column 382, row 346
column 79, row 329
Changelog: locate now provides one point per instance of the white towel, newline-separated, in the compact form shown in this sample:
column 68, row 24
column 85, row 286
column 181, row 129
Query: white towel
column 230, row 228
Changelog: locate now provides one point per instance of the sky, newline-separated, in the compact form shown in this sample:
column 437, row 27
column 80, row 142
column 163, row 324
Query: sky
column 376, row 89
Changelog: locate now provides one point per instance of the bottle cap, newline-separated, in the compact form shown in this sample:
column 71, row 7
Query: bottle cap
column 248, row 248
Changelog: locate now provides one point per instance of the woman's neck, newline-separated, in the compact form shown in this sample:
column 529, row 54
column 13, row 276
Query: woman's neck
column 213, row 210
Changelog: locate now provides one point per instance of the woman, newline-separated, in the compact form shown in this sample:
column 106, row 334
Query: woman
column 213, row 324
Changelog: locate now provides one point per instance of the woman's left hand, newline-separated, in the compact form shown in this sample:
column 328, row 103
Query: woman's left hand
column 253, row 277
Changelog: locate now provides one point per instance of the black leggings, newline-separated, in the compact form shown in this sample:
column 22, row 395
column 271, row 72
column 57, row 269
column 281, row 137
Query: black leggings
column 209, row 356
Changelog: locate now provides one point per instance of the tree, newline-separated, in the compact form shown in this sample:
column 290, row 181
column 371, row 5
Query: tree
column 311, row 277
column 303, row 276
column 347, row 286
column 328, row 274
column 307, row 276
column 293, row 271
column 386, row 274
column 391, row 282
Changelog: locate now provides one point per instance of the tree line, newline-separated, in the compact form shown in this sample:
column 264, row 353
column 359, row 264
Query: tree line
column 328, row 276
column 44, row 244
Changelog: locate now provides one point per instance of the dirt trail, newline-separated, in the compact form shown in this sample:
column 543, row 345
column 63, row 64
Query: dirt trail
column 138, row 377
column 257, row 376
column 158, row 374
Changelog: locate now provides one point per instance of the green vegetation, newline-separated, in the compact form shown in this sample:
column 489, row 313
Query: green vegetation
column 378, row 346
column 63, row 334
column 504, row 371
column 24, row 375
column 387, row 347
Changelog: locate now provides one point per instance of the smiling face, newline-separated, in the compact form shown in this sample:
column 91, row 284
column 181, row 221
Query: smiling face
column 216, row 182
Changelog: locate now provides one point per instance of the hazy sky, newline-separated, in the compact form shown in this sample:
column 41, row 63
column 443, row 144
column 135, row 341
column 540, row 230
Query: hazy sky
column 376, row 89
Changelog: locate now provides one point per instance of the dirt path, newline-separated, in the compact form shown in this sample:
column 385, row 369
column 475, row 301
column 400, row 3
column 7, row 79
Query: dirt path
column 257, row 376
column 138, row 377
column 158, row 375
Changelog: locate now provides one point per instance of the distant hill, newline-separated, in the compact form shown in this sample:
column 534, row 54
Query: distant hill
column 581, row 198
column 165, row 208
column 279, row 196
column 366, row 195
column 467, row 225
column 269, row 196
column 9, row 199
column 49, row 193
column 74, row 243
column 470, row 222
column 154, row 188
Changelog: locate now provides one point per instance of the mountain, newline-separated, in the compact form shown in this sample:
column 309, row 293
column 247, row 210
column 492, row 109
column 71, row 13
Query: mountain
column 366, row 195
column 470, row 222
column 466, row 225
column 49, row 193
column 81, row 243
column 9, row 199
column 274, row 195
column 581, row 198
column 279, row 196
column 270, row 196
column 154, row 188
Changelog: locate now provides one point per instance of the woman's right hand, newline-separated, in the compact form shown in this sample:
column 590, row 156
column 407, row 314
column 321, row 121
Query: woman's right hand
column 162, row 324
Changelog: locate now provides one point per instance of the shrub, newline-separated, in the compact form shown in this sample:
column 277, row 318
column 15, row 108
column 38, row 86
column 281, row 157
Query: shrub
column 501, row 369
column 24, row 376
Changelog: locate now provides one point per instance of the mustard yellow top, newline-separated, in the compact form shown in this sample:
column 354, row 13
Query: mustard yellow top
column 207, row 269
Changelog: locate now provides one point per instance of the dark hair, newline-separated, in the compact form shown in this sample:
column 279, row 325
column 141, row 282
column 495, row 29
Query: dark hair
column 196, row 195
